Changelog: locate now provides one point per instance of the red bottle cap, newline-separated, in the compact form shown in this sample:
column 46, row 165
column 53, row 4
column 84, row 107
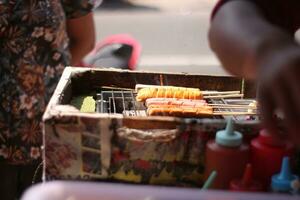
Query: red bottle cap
column 246, row 183
column 268, row 139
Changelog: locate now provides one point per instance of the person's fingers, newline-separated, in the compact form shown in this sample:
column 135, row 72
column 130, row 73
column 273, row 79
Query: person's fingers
column 285, row 103
column 266, row 108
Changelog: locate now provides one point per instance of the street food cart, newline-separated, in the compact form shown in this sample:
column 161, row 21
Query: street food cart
column 95, row 128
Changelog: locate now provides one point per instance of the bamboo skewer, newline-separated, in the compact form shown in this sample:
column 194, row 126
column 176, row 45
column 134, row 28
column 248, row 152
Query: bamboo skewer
column 223, row 96
column 220, row 92
column 233, row 113
column 225, row 106
column 116, row 88
column 141, row 86
column 231, row 105
column 143, row 113
column 206, row 94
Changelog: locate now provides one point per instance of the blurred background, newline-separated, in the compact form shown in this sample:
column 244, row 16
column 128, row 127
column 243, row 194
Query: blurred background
column 173, row 33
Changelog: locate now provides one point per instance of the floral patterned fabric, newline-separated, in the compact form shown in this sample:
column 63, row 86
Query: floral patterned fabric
column 33, row 54
column 102, row 148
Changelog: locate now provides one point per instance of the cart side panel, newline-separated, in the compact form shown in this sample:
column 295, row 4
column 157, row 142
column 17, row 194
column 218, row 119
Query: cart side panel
column 77, row 146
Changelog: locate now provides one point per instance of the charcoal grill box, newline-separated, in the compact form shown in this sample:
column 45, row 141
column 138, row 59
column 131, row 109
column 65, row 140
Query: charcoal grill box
column 138, row 149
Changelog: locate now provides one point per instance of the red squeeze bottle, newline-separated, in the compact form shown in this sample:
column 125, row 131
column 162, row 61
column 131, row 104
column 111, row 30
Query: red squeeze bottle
column 227, row 155
column 267, row 153
column 246, row 184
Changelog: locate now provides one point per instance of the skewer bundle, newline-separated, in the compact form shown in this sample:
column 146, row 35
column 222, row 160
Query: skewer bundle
column 155, row 91
column 188, row 102
column 178, row 107
column 192, row 108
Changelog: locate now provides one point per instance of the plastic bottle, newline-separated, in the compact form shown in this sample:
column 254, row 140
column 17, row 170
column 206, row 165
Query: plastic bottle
column 227, row 155
column 247, row 183
column 282, row 182
column 267, row 153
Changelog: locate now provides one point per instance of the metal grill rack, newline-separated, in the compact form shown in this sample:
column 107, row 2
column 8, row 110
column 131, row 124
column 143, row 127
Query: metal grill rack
column 234, row 102
column 113, row 101
column 119, row 101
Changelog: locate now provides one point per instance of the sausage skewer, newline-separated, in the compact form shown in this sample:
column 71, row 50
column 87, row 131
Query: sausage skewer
column 192, row 108
column 154, row 91
column 141, row 86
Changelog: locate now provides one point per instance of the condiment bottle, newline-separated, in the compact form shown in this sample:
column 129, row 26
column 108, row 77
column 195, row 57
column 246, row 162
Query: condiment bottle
column 267, row 152
column 282, row 182
column 227, row 155
column 246, row 184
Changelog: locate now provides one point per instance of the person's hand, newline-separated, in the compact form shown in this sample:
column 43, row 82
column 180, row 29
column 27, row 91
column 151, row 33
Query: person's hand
column 279, row 89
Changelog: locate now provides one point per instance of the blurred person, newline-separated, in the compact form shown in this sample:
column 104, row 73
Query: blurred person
column 255, row 39
column 38, row 38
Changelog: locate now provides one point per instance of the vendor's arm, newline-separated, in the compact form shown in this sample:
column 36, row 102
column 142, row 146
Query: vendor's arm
column 81, row 32
column 252, row 46
column 239, row 34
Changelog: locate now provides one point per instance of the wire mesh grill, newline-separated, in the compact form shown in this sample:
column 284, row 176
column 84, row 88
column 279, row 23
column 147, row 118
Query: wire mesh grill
column 124, row 102
column 234, row 102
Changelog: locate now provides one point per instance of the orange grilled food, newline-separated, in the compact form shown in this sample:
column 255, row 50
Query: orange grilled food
column 175, row 102
column 168, row 92
column 178, row 107
column 179, row 111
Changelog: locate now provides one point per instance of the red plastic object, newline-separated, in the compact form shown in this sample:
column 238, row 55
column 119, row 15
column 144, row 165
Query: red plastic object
column 121, row 39
column 267, row 153
column 246, row 184
column 229, row 162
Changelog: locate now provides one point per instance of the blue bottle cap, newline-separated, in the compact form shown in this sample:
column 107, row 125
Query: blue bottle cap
column 282, row 182
column 229, row 137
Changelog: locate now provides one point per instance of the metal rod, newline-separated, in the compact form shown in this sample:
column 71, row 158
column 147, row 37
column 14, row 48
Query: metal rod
column 133, row 101
column 98, row 96
column 114, row 103
column 225, row 103
column 98, row 106
column 123, row 100
column 102, row 111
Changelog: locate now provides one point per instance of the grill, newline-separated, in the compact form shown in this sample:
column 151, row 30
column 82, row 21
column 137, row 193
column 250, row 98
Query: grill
column 235, row 102
column 120, row 101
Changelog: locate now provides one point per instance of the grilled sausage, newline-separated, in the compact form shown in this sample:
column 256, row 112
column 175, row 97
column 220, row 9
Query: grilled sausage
column 179, row 111
column 175, row 102
column 168, row 92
